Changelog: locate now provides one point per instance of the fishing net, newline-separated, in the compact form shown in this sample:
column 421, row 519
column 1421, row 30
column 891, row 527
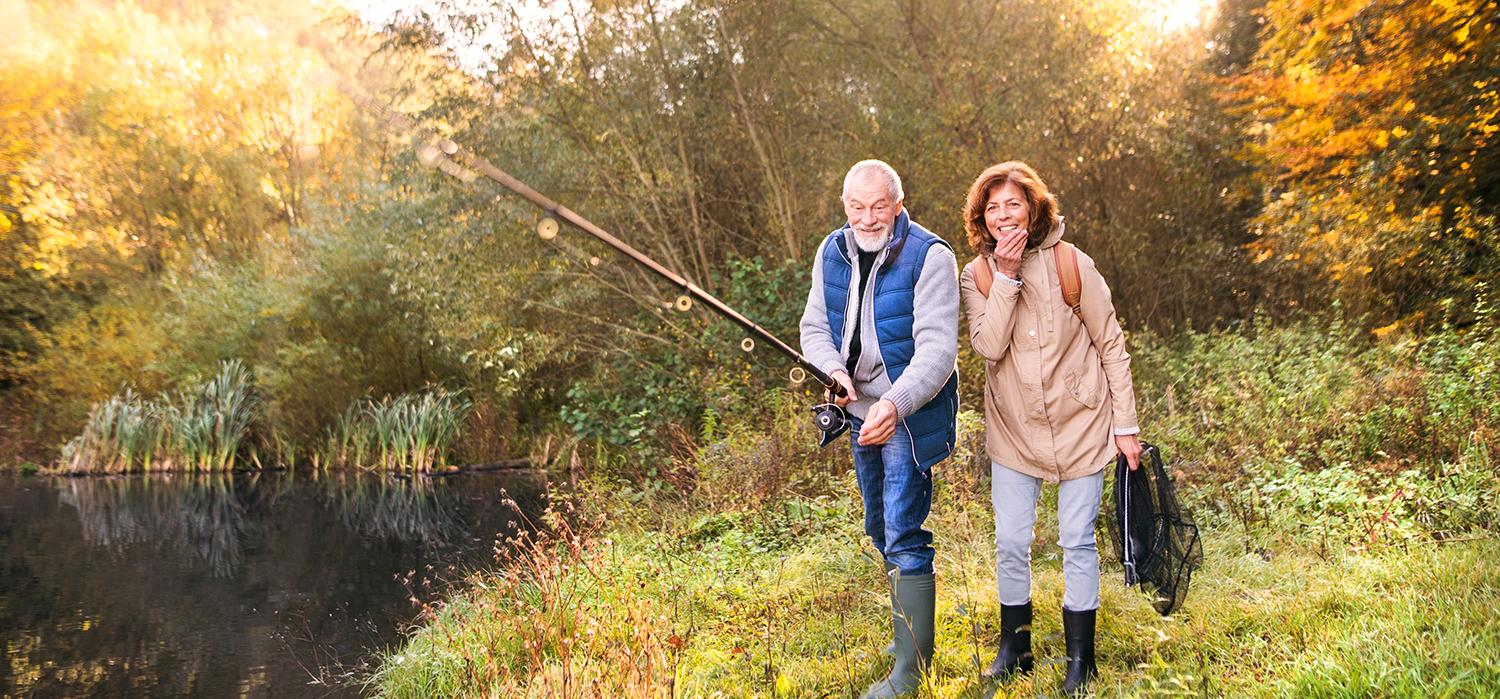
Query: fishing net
column 1154, row 536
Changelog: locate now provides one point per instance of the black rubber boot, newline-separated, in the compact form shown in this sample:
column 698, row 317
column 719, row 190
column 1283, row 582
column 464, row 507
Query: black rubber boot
column 914, row 626
column 1078, row 634
column 1015, row 643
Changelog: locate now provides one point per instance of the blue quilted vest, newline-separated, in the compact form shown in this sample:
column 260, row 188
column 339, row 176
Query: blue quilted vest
column 933, row 427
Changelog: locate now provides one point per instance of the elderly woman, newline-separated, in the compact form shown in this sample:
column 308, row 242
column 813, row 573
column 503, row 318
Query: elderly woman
column 1058, row 400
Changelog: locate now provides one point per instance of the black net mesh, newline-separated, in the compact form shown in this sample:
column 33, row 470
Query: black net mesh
column 1154, row 536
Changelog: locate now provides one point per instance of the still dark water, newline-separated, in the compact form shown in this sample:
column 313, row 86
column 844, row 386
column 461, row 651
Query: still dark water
column 246, row 585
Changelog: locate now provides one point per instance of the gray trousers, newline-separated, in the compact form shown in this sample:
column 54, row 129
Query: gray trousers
column 1014, row 496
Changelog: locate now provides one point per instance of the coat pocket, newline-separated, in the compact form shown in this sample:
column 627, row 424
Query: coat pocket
column 1083, row 386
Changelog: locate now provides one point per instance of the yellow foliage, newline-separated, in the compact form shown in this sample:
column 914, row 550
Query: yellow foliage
column 1324, row 75
column 168, row 133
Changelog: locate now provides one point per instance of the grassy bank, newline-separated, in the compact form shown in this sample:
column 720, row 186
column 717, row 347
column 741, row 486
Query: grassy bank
column 787, row 602
column 1347, row 492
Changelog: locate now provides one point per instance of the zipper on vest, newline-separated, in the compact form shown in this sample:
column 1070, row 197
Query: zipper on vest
column 912, row 440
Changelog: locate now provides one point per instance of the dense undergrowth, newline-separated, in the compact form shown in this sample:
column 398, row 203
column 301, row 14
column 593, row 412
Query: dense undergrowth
column 1346, row 490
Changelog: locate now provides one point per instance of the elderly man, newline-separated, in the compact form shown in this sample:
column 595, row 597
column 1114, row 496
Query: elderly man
column 882, row 319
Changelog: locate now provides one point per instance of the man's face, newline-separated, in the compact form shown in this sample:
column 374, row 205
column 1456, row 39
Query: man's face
column 871, row 211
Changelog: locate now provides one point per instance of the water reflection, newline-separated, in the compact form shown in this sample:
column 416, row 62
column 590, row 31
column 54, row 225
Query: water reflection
column 207, row 515
column 202, row 515
column 220, row 584
column 411, row 510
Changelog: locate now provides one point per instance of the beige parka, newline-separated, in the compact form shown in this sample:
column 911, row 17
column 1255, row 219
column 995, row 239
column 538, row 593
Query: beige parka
column 1057, row 387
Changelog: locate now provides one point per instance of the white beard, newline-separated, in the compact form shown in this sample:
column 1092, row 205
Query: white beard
column 873, row 244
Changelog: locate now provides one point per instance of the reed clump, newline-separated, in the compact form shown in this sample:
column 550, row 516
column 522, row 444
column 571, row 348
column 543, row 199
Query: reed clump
column 411, row 432
column 202, row 428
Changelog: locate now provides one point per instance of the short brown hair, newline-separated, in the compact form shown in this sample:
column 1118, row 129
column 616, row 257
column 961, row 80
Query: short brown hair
column 1039, row 200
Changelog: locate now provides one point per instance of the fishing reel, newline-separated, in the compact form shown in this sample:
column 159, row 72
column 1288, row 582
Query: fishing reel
column 831, row 420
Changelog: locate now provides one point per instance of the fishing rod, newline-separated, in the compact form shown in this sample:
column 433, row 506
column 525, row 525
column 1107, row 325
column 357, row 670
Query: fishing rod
column 448, row 157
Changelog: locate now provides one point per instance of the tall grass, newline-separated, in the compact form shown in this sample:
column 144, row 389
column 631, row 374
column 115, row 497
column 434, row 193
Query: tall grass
column 1349, row 493
column 208, row 423
column 123, row 433
column 550, row 631
column 207, row 426
column 412, row 432
column 350, row 440
column 202, row 429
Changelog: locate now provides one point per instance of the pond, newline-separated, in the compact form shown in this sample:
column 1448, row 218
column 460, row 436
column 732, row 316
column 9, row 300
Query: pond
column 260, row 584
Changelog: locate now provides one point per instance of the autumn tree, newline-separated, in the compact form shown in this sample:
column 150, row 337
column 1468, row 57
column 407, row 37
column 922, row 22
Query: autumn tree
column 1374, row 134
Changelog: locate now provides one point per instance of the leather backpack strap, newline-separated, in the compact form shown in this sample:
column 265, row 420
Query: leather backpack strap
column 1066, row 257
column 983, row 277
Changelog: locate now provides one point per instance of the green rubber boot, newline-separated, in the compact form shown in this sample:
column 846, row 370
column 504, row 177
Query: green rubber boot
column 890, row 648
column 913, row 627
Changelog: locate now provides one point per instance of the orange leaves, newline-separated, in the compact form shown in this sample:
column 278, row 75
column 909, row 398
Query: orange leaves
column 1380, row 120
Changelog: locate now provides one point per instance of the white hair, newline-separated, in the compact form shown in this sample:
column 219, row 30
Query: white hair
column 893, row 180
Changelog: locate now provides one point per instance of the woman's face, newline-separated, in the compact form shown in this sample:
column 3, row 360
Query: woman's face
column 1006, row 211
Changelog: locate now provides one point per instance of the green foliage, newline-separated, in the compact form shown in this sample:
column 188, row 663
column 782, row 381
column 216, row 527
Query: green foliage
column 694, row 376
column 1337, row 439
column 123, row 433
column 413, row 433
column 607, row 418
column 30, row 308
column 351, row 440
column 208, row 424
column 341, row 327
column 767, row 458
column 89, row 356
column 207, row 427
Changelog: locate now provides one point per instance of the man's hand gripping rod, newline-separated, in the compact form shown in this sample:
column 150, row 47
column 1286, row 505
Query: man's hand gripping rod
column 449, row 158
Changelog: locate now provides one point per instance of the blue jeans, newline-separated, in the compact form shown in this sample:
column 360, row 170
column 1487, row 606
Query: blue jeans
column 898, row 496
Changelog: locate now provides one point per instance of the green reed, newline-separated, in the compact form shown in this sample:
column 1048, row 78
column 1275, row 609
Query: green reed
column 408, row 432
column 123, row 433
column 202, row 429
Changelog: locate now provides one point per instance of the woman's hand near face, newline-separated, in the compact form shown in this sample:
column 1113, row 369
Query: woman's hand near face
column 1005, row 217
column 1008, row 248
